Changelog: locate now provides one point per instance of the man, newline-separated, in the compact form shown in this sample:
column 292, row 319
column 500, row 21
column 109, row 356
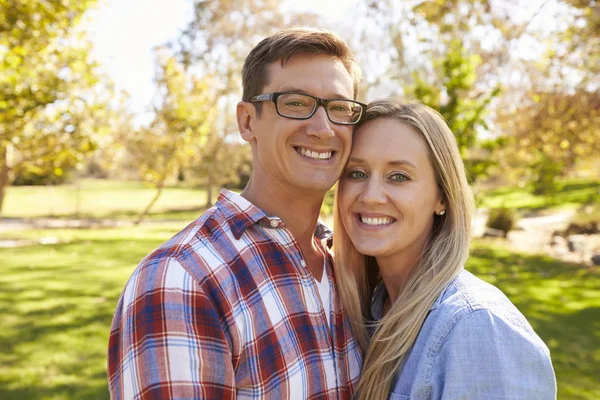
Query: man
column 242, row 303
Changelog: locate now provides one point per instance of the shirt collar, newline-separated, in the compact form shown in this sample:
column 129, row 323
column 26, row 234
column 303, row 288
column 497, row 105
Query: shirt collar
column 241, row 214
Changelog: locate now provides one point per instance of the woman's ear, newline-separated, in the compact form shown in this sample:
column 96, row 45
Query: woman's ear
column 245, row 114
column 440, row 207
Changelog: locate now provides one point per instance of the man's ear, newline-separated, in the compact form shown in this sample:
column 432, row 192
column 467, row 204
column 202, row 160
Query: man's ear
column 246, row 113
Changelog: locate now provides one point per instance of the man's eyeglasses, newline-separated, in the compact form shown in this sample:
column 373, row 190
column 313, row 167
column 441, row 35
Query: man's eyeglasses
column 303, row 106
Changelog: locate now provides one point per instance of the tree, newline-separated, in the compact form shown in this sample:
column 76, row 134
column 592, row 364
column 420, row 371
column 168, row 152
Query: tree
column 551, row 133
column 440, row 56
column 181, row 125
column 49, row 90
column 465, row 112
column 551, row 114
column 583, row 38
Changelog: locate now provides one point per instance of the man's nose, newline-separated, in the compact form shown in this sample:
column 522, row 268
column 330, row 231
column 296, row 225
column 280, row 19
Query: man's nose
column 320, row 125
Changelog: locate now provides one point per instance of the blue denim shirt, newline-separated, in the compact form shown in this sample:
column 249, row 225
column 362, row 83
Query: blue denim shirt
column 474, row 344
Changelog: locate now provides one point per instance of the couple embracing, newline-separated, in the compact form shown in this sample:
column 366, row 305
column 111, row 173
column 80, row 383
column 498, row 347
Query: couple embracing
column 257, row 299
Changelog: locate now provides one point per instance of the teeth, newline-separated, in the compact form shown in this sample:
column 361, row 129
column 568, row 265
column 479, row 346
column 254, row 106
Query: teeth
column 314, row 154
column 376, row 221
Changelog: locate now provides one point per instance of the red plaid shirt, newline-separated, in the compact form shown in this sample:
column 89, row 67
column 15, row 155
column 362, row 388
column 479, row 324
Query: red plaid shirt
column 227, row 309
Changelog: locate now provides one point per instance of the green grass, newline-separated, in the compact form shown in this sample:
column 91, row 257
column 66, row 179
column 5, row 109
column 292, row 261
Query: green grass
column 90, row 198
column 57, row 302
column 571, row 194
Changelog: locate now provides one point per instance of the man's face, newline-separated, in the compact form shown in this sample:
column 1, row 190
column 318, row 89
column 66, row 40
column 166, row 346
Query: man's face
column 303, row 156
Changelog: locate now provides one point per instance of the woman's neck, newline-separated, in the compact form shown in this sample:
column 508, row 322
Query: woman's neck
column 395, row 272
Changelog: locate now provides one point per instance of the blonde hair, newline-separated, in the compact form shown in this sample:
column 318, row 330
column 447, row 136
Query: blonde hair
column 442, row 259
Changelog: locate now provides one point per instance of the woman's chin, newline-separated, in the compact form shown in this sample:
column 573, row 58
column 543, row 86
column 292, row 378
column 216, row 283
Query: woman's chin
column 368, row 250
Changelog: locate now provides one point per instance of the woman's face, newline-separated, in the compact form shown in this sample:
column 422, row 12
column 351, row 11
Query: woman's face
column 388, row 192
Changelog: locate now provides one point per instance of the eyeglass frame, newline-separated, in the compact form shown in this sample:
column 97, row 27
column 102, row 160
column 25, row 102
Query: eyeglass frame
column 272, row 97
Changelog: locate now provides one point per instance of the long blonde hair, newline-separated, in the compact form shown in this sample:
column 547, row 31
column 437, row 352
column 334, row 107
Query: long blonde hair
column 443, row 257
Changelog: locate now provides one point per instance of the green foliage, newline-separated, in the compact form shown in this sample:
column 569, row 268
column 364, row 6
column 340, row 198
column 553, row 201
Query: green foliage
column 28, row 178
column 180, row 128
column 328, row 202
column 552, row 132
column 503, row 219
column 546, row 173
column 570, row 193
column 51, row 99
column 450, row 94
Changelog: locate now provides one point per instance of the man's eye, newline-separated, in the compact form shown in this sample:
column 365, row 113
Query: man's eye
column 340, row 109
column 295, row 103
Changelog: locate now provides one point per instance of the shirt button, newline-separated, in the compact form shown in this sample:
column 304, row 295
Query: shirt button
column 303, row 263
column 274, row 223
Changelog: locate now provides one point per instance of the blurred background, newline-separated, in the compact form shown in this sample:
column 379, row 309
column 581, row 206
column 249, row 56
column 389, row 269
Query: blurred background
column 117, row 129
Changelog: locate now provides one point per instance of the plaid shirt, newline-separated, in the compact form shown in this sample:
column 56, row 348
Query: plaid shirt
column 227, row 309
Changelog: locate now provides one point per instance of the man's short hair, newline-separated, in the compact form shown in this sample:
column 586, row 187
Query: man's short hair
column 289, row 42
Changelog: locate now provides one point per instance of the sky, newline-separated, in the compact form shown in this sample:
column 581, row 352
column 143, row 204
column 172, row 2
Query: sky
column 124, row 33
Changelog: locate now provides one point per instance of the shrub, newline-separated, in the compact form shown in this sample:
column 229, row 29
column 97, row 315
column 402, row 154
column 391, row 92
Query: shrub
column 585, row 222
column 503, row 219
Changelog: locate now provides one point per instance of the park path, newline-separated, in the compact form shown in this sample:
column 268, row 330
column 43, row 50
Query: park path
column 532, row 235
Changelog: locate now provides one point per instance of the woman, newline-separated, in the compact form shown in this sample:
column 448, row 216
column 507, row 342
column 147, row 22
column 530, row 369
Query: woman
column 402, row 232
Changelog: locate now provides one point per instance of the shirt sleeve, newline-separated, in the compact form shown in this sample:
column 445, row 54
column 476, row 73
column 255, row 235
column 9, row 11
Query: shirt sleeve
column 166, row 340
column 488, row 357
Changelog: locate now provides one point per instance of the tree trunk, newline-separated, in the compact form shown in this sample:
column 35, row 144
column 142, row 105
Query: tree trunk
column 3, row 176
column 209, row 185
column 144, row 213
column 211, row 173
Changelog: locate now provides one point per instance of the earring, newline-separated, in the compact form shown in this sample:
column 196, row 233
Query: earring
column 443, row 212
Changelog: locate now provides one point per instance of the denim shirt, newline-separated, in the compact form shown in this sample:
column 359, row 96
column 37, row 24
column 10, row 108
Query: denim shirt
column 474, row 344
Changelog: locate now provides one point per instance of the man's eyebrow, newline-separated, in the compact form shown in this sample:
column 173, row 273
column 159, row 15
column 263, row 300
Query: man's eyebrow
column 335, row 95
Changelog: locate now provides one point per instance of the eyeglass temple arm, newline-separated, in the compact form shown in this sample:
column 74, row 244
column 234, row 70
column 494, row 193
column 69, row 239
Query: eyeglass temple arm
column 262, row 97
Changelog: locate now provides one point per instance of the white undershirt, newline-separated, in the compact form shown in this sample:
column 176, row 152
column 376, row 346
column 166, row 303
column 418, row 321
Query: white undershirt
column 324, row 291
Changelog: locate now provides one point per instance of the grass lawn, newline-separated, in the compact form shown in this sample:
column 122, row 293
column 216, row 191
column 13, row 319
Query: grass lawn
column 89, row 198
column 570, row 194
column 57, row 302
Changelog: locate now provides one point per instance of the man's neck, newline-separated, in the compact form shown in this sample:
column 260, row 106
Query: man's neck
column 299, row 210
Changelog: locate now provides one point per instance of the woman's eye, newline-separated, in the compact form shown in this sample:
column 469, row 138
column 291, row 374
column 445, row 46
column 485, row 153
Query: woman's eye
column 357, row 175
column 398, row 177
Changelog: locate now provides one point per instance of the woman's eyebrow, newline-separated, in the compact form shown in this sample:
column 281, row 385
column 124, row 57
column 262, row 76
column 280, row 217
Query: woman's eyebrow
column 356, row 160
column 402, row 162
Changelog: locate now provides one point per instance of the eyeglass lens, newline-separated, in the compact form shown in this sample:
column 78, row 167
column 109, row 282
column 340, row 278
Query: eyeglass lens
column 295, row 105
